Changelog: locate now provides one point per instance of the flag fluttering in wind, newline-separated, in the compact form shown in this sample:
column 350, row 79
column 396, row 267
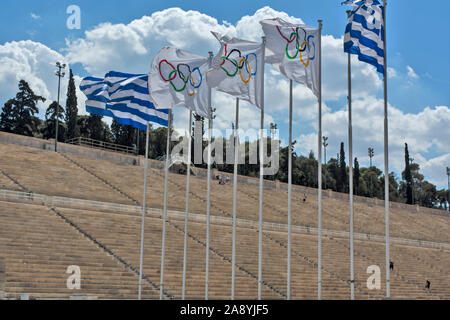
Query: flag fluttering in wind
column 126, row 98
column 178, row 78
column 293, row 49
column 123, row 96
column 236, row 67
column 364, row 34
column 96, row 91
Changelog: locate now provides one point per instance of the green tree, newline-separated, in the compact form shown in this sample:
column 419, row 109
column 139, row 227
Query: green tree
column 48, row 131
column 123, row 134
column 329, row 170
column 73, row 130
column 92, row 126
column 442, row 199
column 356, row 177
column 342, row 173
column 408, row 177
column 7, row 120
column 394, row 194
column 97, row 130
column 426, row 194
column 371, row 185
column 158, row 142
column 19, row 116
column 305, row 169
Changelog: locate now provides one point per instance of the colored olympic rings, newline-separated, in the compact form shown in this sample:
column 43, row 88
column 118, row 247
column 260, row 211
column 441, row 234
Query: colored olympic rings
column 184, row 73
column 239, row 66
column 307, row 46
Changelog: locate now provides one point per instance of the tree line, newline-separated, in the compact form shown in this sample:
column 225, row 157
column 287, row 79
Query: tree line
column 19, row 116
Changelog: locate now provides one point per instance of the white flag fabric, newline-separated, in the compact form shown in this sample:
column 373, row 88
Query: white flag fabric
column 177, row 78
column 294, row 50
column 236, row 69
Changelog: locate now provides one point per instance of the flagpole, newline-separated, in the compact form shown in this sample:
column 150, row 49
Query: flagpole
column 386, row 157
column 236, row 158
column 166, row 180
column 208, row 197
column 350, row 146
column 186, row 219
column 319, row 190
column 143, row 214
column 289, row 194
column 261, row 180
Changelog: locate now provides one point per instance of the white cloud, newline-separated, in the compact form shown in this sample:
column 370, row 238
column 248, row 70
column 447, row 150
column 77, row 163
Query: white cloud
column 248, row 27
column 365, row 79
column 35, row 16
column 425, row 132
column 435, row 170
column 411, row 73
column 131, row 47
column 33, row 62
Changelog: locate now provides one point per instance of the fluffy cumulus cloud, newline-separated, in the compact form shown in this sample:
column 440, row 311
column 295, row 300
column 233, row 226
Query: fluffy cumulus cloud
column 130, row 47
column 33, row 62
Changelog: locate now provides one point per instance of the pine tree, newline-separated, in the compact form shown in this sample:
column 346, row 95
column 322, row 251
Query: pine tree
column 122, row 134
column 342, row 170
column 7, row 117
column 356, row 175
column 49, row 131
column 95, row 125
column 19, row 116
column 73, row 130
column 408, row 177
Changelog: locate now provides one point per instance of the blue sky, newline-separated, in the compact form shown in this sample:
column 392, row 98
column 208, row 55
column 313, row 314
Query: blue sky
column 417, row 55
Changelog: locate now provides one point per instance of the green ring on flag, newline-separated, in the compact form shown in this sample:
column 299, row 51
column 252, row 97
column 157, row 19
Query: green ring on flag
column 235, row 63
column 173, row 86
column 287, row 47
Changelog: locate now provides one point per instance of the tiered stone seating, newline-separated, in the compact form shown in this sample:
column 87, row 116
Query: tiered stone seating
column 122, row 233
column 77, row 177
column 39, row 247
column 47, row 172
column 368, row 219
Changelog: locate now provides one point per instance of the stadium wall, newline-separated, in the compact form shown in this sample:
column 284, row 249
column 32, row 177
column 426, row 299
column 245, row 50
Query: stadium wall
column 9, row 138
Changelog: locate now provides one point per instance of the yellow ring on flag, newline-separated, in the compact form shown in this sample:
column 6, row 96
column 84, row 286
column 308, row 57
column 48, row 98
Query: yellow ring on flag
column 193, row 91
column 301, row 59
column 249, row 71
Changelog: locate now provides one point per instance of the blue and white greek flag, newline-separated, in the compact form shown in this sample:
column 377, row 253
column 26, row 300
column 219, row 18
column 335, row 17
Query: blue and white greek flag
column 123, row 96
column 364, row 34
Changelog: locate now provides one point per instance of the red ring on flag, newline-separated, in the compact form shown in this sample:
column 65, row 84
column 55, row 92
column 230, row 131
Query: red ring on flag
column 174, row 73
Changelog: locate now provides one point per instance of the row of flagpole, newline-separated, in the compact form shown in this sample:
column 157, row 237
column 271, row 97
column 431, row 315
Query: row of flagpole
column 261, row 189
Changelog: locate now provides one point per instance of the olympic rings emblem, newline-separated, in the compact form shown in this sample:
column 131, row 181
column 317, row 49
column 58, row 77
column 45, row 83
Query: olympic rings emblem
column 304, row 46
column 182, row 77
column 238, row 62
